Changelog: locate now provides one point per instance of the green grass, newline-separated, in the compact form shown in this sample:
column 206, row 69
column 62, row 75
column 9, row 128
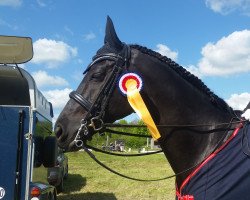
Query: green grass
column 89, row 181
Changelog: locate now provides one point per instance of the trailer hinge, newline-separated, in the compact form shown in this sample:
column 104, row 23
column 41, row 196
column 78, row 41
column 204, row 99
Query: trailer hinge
column 17, row 177
column 28, row 136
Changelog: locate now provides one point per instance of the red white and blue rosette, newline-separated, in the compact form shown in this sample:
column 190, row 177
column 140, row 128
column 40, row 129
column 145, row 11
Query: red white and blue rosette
column 129, row 76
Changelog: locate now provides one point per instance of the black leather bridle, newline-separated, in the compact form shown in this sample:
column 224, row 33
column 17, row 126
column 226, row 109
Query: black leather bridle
column 96, row 110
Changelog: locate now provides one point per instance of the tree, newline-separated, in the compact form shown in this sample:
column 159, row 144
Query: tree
column 130, row 141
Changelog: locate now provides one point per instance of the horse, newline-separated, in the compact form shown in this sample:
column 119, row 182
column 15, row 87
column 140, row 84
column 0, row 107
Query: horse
column 204, row 136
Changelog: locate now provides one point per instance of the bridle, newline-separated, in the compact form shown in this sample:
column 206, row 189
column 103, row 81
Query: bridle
column 96, row 109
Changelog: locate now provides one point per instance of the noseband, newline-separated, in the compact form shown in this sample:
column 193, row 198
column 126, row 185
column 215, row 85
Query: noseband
column 96, row 109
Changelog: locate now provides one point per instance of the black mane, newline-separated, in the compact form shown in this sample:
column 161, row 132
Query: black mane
column 195, row 81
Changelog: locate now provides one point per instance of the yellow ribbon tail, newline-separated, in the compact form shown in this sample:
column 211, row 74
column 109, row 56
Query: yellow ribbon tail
column 137, row 103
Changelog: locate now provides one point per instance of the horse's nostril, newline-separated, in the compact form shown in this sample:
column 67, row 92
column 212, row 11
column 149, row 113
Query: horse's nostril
column 61, row 136
column 58, row 131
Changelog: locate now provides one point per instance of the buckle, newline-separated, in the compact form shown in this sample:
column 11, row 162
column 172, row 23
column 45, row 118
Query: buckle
column 96, row 123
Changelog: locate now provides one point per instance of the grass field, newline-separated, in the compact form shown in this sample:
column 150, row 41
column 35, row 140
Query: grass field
column 89, row 181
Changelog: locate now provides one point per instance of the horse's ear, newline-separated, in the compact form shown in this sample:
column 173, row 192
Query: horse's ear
column 111, row 37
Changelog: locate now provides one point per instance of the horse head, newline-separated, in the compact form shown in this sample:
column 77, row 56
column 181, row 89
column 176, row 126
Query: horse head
column 97, row 98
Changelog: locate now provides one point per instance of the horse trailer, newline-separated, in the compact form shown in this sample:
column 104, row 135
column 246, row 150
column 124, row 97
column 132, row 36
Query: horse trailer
column 27, row 147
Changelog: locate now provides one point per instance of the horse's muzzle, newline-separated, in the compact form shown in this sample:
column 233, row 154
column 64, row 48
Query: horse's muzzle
column 61, row 137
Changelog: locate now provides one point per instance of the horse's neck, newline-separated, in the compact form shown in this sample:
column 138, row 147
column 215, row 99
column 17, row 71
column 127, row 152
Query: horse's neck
column 185, row 148
column 174, row 101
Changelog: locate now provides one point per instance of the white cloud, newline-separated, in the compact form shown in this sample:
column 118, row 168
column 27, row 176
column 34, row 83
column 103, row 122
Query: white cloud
column 56, row 115
column 13, row 3
column 230, row 55
column 194, row 70
column 52, row 53
column 166, row 51
column 228, row 6
column 43, row 79
column 246, row 114
column 239, row 101
column 89, row 36
column 58, row 97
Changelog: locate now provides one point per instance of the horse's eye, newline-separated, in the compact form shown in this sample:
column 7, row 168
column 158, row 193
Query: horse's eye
column 99, row 76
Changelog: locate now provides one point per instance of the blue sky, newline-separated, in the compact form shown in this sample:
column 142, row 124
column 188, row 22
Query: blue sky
column 211, row 38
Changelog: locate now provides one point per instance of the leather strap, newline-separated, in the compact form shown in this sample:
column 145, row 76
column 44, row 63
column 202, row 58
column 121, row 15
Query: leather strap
column 79, row 99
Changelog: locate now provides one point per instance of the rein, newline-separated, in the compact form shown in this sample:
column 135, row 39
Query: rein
column 189, row 127
column 117, row 173
column 85, row 148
